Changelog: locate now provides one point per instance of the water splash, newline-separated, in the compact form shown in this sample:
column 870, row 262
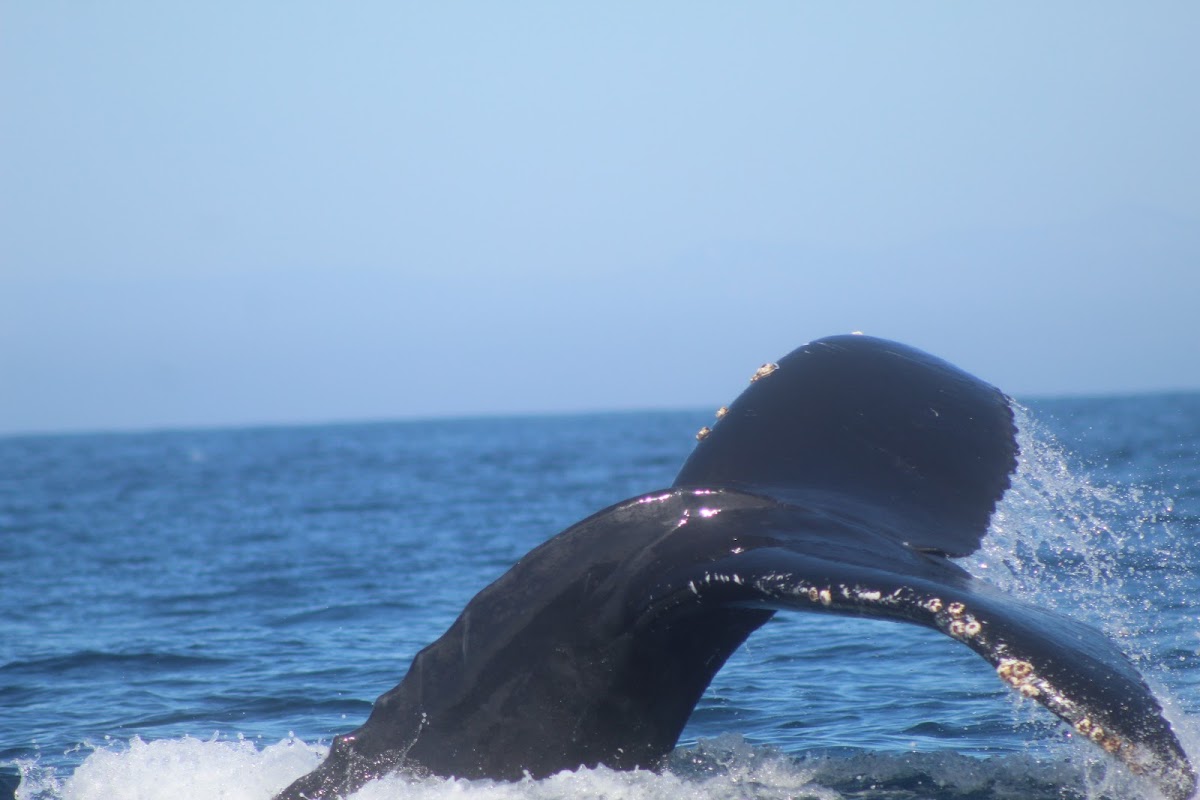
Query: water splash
column 1103, row 553
column 726, row 768
column 174, row 768
column 1063, row 539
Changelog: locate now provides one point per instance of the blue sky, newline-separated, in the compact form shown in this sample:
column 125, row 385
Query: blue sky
column 238, row 213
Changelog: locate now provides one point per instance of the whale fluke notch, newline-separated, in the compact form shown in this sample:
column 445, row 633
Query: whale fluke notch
column 838, row 482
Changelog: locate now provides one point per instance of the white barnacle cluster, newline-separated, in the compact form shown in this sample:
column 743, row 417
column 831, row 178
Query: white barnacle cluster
column 721, row 577
column 820, row 595
column 703, row 433
column 965, row 628
column 864, row 596
column 851, row 595
column 1106, row 739
column 773, row 583
column 763, row 371
column 1020, row 675
column 759, row 374
column 962, row 624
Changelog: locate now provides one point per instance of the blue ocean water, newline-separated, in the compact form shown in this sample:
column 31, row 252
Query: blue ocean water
column 196, row 613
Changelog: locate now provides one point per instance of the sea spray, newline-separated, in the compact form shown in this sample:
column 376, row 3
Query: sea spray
column 1103, row 553
column 1060, row 538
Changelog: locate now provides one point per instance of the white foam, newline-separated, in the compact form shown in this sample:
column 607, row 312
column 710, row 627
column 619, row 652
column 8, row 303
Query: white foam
column 176, row 769
column 723, row 769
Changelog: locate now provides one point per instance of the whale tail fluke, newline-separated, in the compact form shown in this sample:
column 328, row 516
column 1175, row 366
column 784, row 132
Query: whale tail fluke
column 841, row 481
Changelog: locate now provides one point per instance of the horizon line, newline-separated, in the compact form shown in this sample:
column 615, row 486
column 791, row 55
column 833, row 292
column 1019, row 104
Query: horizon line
column 464, row 416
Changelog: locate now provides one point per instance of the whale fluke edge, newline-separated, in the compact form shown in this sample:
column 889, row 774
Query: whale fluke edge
column 842, row 480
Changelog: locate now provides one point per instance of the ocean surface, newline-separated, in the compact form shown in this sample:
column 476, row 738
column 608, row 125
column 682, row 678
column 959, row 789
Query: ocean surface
column 196, row 613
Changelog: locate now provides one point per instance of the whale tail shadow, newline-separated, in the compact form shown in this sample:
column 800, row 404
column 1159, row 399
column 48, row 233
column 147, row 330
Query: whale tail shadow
column 841, row 481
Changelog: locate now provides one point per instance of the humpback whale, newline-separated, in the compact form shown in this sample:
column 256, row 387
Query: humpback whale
column 843, row 480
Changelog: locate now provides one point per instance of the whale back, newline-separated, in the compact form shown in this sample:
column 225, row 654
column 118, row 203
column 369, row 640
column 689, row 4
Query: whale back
column 881, row 431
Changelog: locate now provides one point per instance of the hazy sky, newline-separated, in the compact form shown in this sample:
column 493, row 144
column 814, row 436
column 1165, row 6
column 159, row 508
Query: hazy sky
column 230, row 213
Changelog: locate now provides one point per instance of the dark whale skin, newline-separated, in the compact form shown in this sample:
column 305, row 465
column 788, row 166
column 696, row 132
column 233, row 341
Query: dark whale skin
column 841, row 481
